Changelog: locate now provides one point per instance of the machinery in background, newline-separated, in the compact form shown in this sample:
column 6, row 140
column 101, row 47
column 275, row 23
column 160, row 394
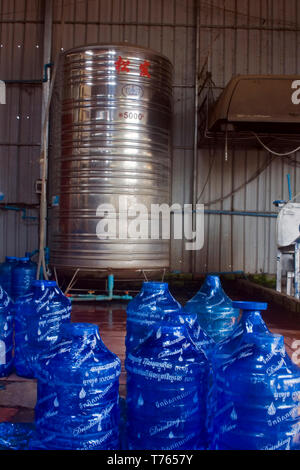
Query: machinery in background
column 288, row 247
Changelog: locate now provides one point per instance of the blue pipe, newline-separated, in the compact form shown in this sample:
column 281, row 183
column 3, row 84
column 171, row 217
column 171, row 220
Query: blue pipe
column 33, row 81
column 46, row 67
column 20, row 209
column 35, row 252
column 243, row 213
column 289, row 186
column 109, row 296
column 110, row 285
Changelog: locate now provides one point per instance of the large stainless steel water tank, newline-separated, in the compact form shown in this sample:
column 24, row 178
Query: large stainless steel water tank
column 111, row 137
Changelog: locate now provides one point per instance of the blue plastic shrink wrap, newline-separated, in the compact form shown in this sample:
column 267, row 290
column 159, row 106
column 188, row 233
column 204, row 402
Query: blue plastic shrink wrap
column 214, row 309
column 166, row 391
column 39, row 316
column 257, row 397
column 78, row 402
column 6, row 334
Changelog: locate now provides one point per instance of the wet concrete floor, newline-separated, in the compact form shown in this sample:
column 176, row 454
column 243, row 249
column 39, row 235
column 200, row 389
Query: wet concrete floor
column 18, row 395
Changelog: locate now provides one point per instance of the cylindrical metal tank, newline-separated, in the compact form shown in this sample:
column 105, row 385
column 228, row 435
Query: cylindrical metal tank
column 111, row 137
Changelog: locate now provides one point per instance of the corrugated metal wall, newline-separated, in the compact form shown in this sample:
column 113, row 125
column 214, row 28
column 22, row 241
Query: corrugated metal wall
column 235, row 37
column 21, row 46
column 245, row 37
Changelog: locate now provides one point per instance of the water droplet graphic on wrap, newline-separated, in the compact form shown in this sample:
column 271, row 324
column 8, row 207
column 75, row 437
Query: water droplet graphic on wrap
column 272, row 409
column 56, row 402
column 88, row 415
column 140, row 401
column 36, row 330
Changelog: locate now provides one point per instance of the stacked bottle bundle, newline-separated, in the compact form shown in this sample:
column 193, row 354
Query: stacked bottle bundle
column 166, row 373
column 166, row 391
column 23, row 274
column 39, row 316
column 256, row 390
column 6, row 270
column 154, row 303
column 250, row 322
column 6, row 334
column 146, row 309
column 214, row 309
column 77, row 403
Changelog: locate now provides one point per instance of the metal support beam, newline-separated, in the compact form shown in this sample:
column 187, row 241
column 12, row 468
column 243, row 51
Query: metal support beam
column 47, row 89
column 196, row 104
column 46, row 59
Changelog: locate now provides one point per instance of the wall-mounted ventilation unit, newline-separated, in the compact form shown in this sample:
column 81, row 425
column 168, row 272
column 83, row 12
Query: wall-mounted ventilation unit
column 258, row 103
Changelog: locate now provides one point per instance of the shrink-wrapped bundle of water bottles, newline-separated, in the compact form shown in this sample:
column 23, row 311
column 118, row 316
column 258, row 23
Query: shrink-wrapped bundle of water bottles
column 78, row 385
column 38, row 319
column 255, row 396
column 166, row 376
column 77, row 376
column 253, row 401
column 6, row 334
column 197, row 377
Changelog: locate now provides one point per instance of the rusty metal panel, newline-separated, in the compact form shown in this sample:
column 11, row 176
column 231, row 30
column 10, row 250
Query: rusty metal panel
column 21, row 45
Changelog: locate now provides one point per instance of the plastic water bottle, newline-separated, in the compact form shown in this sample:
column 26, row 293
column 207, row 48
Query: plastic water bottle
column 22, row 356
column 38, row 319
column 250, row 322
column 6, row 269
column 153, row 302
column 77, row 402
column 166, row 391
column 6, row 334
column 23, row 275
column 258, row 397
column 214, row 309
column 33, row 263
